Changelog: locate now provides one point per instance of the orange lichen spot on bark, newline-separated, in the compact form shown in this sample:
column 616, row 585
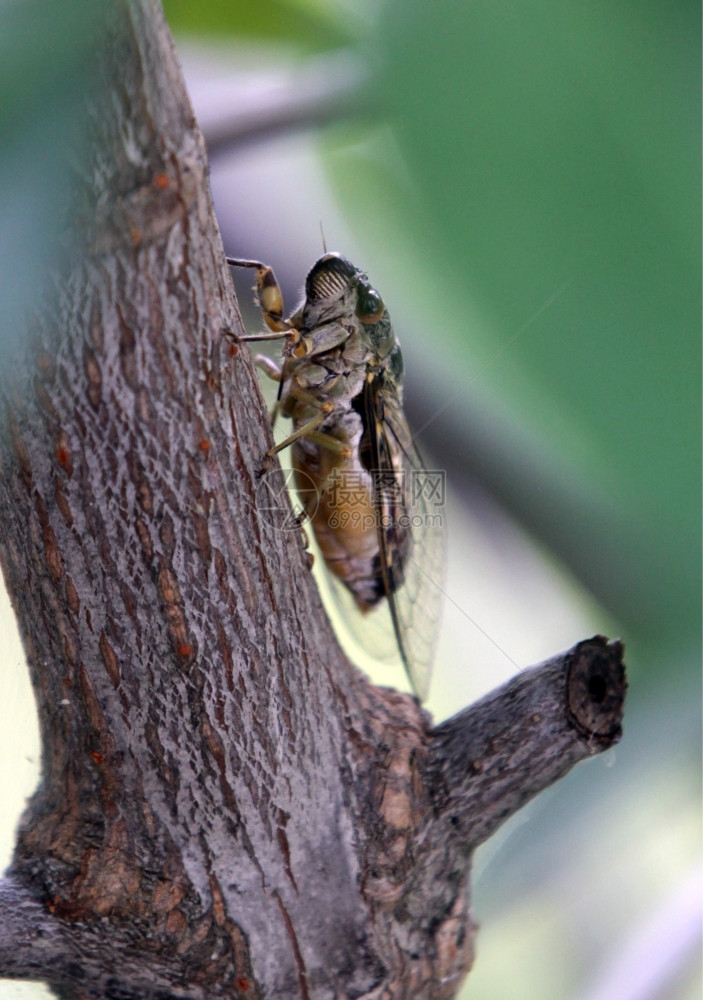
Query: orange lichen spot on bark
column 204, row 445
column 63, row 454
column 161, row 181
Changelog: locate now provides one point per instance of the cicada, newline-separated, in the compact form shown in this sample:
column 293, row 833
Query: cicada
column 375, row 510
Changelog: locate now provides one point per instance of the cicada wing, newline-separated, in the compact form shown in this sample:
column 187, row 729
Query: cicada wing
column 411, row 537
column 409, row 504
column 369, row 636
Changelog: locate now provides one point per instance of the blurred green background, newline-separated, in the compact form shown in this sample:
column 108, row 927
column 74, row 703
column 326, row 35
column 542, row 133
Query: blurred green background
column 521, row 181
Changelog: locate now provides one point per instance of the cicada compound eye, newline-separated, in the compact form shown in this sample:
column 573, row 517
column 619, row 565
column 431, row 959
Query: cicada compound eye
column 369, row 305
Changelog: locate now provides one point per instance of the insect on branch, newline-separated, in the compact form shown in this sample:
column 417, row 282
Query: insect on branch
column 355, row 464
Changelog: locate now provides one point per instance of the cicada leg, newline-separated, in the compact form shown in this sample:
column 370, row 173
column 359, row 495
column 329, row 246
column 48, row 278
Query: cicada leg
column 309, row 430
column 269, row 297
column 269, row 366
column 309, row 556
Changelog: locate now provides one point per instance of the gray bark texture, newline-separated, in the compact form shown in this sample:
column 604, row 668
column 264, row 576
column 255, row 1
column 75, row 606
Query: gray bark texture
column 228, row 807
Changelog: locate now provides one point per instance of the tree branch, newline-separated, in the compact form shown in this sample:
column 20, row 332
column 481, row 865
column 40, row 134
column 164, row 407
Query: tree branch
column 37, row 945
column 226, row 802
column 30, row 939
column 324, row 89
column 493, row 757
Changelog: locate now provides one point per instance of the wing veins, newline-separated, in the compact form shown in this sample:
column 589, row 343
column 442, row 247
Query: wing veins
column 376, row 430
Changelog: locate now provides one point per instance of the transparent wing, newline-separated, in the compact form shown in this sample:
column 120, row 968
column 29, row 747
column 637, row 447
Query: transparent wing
column 368, row 636
column 412, row 538
column 409, row 503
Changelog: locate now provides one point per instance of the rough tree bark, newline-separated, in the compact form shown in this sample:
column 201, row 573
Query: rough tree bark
column 228, row 807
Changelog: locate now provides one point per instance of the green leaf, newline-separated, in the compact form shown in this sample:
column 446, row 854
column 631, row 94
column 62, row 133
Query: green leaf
column 310, row 25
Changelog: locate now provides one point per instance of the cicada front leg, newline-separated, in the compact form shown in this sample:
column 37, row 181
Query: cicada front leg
column 270, row 299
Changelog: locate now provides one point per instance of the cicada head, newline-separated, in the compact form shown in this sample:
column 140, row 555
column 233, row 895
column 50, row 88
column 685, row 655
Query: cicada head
column 335, row 289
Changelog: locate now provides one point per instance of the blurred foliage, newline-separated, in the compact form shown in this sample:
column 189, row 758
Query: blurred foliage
column 310, row 25
column 43, row 55
column 558, row 144
column 46, row 69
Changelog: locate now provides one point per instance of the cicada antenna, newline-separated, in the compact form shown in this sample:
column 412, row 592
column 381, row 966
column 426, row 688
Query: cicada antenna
column 322, row 234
